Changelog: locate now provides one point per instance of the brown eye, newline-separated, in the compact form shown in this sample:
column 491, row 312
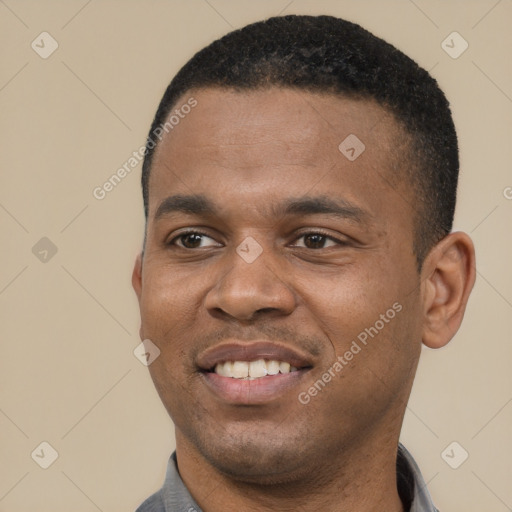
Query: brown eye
column 191, row 240
column 315, row 240
column 194, row 240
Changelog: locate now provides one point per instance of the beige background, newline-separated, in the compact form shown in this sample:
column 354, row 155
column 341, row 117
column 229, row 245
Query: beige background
column 69, row 325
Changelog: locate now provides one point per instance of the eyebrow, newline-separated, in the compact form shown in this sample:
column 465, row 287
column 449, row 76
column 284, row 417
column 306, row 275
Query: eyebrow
column 323, row 205
column 317, row 205
column 193, row 204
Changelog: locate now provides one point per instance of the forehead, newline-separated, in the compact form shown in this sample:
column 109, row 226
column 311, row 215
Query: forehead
column 272, row 142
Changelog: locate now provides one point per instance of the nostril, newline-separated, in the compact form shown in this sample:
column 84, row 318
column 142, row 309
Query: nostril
column 266, row 310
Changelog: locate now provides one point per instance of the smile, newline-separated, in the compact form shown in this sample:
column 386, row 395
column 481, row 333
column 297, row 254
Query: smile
column 250, row 373
column 253, row 369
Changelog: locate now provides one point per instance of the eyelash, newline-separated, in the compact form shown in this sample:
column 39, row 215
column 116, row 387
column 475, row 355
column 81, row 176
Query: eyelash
column 301, row 235
column 188, row 232
column 322, row 233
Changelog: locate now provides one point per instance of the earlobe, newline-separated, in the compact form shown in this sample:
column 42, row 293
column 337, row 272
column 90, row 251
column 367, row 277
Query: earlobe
column 448, row 277
column 137, row 276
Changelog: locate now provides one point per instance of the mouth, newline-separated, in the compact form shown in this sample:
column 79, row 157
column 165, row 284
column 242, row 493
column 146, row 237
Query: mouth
column 252, row 372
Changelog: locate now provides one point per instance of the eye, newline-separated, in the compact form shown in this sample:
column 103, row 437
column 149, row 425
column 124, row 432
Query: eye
column 194, row 240
column 316, row 241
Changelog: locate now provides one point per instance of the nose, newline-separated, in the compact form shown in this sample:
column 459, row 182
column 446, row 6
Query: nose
column 248, row 290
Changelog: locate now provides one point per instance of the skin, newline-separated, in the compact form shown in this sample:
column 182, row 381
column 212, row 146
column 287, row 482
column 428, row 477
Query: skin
column 249, row 153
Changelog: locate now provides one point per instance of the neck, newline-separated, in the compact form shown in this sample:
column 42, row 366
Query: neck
column 360, row 479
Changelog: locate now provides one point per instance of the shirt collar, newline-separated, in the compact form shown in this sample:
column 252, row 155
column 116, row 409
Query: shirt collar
column 410, row 482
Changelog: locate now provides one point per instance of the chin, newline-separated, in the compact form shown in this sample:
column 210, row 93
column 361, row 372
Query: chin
column 257, row 457
column 267, row 469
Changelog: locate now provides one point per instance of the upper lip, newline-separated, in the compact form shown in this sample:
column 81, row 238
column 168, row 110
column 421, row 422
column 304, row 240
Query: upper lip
column 251, row 351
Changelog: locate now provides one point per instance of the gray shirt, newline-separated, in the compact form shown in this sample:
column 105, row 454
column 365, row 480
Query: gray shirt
column 174, row 496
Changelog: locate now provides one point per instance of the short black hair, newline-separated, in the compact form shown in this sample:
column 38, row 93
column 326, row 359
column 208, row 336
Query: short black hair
column 332, row 55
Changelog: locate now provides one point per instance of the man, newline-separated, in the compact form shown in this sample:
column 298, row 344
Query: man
column 299, row 188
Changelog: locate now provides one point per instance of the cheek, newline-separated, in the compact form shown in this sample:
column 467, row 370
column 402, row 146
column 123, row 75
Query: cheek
column 370, row 317
column 168, row 303
column 345, row 302
column 388, row 343
column 169, row 306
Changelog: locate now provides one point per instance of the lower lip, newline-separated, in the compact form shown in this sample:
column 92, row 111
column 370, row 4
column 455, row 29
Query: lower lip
column 253, row 392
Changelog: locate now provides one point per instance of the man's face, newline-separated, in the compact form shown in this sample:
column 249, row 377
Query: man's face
column 265, row 242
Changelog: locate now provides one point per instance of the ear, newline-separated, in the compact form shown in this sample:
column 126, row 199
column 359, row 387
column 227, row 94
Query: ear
column 137, row 276
column 447, row 276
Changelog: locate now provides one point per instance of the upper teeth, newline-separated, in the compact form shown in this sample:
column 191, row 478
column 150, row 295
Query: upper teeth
column 253, row 369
